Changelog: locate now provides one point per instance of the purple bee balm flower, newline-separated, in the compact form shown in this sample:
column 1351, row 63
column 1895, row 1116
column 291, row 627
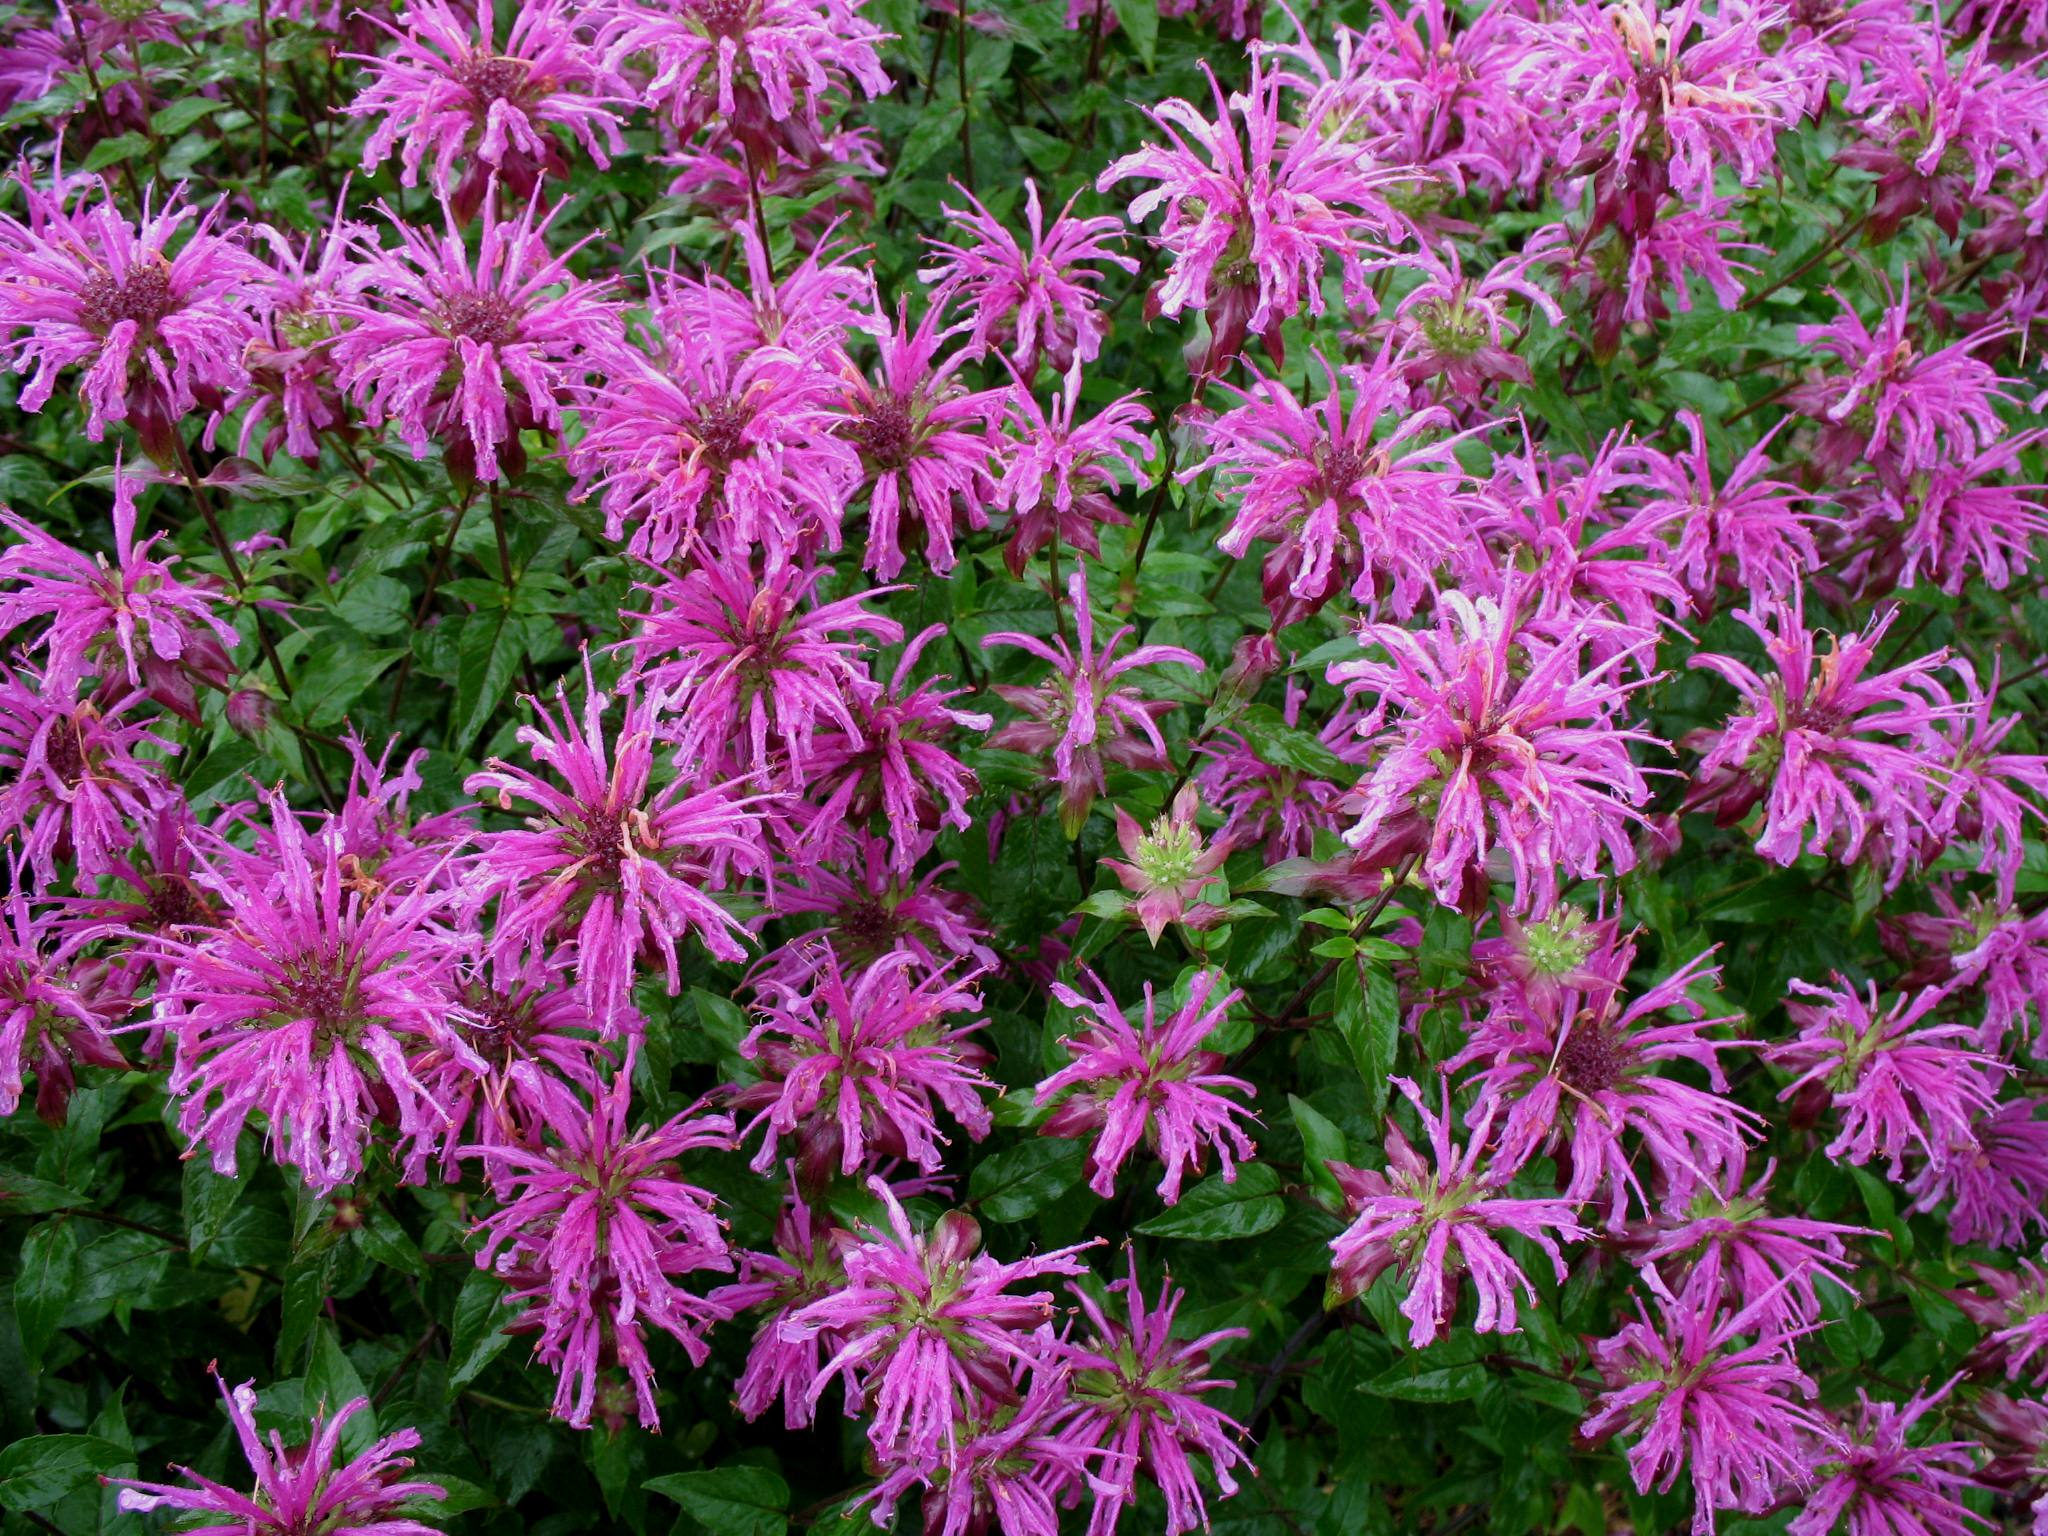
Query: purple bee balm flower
column 871, row 908
column 523, row 1020
column 381, row 845
column 1988, row 795
column 1706, row 1388
column 1454, row 328
column 1012, row 1464
column 135, row 608
column 1169, row 870
column 2013, row 1310
column 1140, row 1395
column 1082, row 715
column 803, row 1268
column 1040, row 303
column 1060, row 477
column 1656, row 100
column 1998, row 1178
column 733, row 455
column 596, row 1232
column 1899, row 408
column 1835, row 751
column 752, row 669
column 1896, row 1083
column 1878, row 1484
column 309, row 1487
column 1433, row 1220
column 896, row 762
column 57, row 1008
column 1343, row 507
column 470, row 351
column 447, row 91
column 306, row 1004
column 924, row 444
column 1967, row 520
column 1986, row 948
column 1277, row 809
column 1738, row 532
column 808, row 312
column 753, row 64
column 1582, row 1071
column 1257, row 207
column 932, row 1328
column 1525, row 758
column 80, row 286
column 72, row 782
column 1152, row 1082
column 856, row 1069
column 609, row 861
column 1773, row 1263
column 290, row 397
column 1627, row 271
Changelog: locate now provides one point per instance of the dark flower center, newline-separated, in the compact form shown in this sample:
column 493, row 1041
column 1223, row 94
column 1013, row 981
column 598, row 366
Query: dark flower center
column 1592, row 1060
column 869, row 926
column 313, row 990
column 600, row 834
column 499, row 1026
column 173, row 903
column 489, row 78
column 64, row 750
column 482, row 317
column 144, row 298
column 887, row 432
column 722, row 429
column 724, row 18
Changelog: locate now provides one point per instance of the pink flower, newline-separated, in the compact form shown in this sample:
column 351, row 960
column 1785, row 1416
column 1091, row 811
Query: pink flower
column 609, row 861
column 1997, row 1178
column 2013, row 1310
column 1151, row 1081
column 807, row 313
column 305, row 1004
column 1453, row 328
column 706, row 452
column 136, row 608
column 1582, row 1068
column 1772, row 1263
column 57, row 1008
column 1899, row 408
column 1698, row 1397
column 1479, row 755
column 1257, row 208
column 752, row 668
column 1434, row 1223
column 307, row 1487
column 1967, row 519
column 870, row 909
column 897, row 761
column 1272, row 807
column 471, row 351
column 73, row 782
column 447, row 91
column 80, row 286
column 924, row 443
column 1169, row 870
column 803, row 1268
column 1988, row 795
column 1060, row 478
column 1834, row 754
column 753, row 63
column 931, row 1325
column 856, row 1070
column 1082, row 714
column 1880, row 1485
column 1895, row 1082
column 1626, row 271
column 1343, row 507
column 596, row 1232
column 1039, row 304
column 1141, row 1395
column 1741, row 532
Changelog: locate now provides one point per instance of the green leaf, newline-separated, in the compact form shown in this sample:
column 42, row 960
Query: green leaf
column 1286, row 747
column 1368, row 1015
column 307, row 1280
column 113, row 151
column 933, row 131
column 730, row 1501
column 1411, row 1379
column 1140, row 21
column 173, row 120
column 478, row 1333
column 339, row 669
column 1216, row 1211
column 1322, row 1143
column 332, row 1382
column 46, row 1284
column 35, row 1473
column 209, row 1201
column 493, row 645
column 1025, row 1179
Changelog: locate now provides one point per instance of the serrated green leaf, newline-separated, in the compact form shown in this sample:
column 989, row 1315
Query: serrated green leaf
column 1368, row 1016
column 1140, row 22
column 492, row 647
column 729, row 1501
column 209, row 1201
column 45, row 1283
column 477, row 1335
column 38, row 1471
column 174, row 119
column 1217, row 1210
column 1020, row 1182
column 113, row 151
